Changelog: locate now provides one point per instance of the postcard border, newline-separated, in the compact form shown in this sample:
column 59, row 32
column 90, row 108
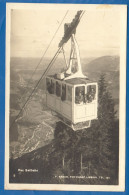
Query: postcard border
column 121, row 186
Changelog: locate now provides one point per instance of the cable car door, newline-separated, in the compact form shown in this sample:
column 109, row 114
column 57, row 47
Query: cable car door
column 80, row 113
column 91, row 102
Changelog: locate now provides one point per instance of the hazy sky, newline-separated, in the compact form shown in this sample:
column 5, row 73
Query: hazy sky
column 98, row 32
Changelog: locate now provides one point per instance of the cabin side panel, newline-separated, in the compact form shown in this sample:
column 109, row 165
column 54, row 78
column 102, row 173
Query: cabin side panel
column 66, row 110
column 50, row 100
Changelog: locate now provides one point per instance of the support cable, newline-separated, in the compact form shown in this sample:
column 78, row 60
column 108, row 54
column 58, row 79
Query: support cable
column 45, row 72
column 44, row 53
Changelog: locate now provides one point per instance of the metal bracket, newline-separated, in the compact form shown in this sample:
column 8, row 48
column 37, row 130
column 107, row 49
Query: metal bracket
column 74, row 51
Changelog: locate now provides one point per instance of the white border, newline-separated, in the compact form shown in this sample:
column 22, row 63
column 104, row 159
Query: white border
column 122, row 97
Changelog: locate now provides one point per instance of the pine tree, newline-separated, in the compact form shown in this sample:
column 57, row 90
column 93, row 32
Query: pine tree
column 106, row 125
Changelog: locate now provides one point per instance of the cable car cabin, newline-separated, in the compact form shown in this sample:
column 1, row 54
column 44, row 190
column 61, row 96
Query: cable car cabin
column 74, row 100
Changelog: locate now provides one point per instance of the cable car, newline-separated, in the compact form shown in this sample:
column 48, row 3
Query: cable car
column 74, row 100
column 70, row 93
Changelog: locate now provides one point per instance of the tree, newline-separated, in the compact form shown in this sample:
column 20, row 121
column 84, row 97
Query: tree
column 106, row 125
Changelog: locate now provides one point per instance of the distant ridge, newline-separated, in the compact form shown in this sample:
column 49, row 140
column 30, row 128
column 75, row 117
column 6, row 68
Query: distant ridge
column 103, row 64
column 108, row 65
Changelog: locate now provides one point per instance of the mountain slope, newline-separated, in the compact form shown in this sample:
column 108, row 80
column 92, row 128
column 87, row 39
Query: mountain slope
column 103, row 64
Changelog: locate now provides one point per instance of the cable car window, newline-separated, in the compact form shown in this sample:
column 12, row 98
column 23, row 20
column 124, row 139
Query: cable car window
column 63, row 95
column 69, row 93
column 50, row 85
column 47, row 84
column 58, row 89
column 79, row 94
column 91, row 91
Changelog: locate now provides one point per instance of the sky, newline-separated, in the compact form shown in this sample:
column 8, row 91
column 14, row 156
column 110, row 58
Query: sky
column 98, row 33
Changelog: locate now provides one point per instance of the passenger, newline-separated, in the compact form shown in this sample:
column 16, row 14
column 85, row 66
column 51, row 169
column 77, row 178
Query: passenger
column 50, row 87
column 79, row 98
column 85, row 98
column 63, row 96
column 91, row 95
column 58, row 89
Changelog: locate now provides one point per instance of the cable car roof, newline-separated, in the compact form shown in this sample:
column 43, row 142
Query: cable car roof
column 74, row 81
